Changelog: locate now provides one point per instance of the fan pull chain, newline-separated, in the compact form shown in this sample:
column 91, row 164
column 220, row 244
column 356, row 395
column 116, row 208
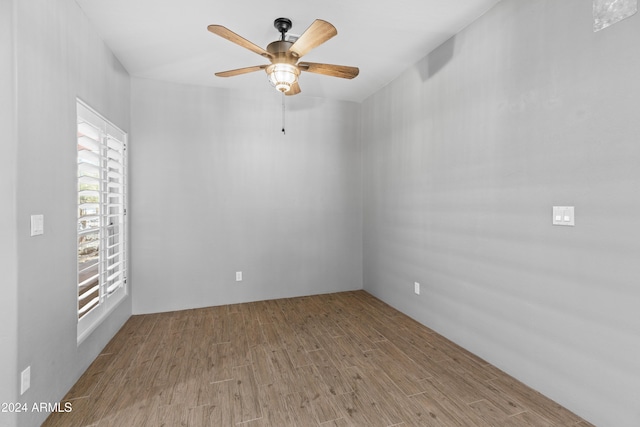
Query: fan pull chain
column 283, row 131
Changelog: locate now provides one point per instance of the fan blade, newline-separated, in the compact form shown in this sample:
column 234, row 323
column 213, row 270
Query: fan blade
column 319, row 32
column 239, row 71
column 233, row 37
column 330, row 70
column 294, row 90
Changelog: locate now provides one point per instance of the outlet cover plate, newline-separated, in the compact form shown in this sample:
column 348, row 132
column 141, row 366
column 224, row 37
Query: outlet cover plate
column 25, row 380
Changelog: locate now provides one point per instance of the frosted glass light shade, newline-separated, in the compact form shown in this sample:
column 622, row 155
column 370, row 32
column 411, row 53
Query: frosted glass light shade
column 283, row 76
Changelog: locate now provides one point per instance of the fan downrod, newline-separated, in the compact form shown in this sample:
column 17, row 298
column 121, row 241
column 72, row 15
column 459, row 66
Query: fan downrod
column 282, row 25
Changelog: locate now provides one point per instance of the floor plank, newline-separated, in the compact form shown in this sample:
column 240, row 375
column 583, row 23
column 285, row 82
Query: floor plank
column 246, row 402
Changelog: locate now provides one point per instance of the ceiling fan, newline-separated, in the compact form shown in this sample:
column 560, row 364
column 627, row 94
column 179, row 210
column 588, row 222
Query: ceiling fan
column 284, row 54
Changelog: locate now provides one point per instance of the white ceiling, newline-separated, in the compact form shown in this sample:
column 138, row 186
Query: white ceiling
column 168, row 39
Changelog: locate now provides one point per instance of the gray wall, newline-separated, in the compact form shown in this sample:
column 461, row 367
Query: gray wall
column 8, row 232
column 464, row 156
column 59, row 57
column 217, row 188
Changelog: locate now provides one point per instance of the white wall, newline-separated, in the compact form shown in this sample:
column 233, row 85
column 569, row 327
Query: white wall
column 8, row 234
column 59, row 57
column 217, row 188
column 464, row 156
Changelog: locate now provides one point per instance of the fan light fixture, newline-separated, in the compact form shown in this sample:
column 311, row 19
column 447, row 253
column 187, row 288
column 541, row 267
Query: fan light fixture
column 283, row 76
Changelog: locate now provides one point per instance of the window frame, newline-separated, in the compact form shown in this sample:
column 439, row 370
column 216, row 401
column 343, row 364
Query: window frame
column 107, row 157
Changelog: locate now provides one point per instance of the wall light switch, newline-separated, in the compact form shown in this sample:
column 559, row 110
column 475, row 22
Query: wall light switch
column 37, row 225
column 564, row 215
column 416, row 288
column 238, row 276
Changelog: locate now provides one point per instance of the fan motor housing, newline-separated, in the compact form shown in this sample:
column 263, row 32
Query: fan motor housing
column 280, row 51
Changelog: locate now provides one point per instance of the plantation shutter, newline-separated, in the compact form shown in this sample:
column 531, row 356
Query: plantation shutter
column 115, row 263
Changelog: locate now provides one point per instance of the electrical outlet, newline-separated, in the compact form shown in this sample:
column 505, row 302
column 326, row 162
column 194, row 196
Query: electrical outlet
column 416, row 288
column 238, row 276
column 25, row 380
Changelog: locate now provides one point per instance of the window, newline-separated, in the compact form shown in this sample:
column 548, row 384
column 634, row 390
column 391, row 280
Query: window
column 102, row 227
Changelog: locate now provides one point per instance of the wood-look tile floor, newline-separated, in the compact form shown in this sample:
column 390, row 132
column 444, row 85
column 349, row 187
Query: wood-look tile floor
column 344, row 359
